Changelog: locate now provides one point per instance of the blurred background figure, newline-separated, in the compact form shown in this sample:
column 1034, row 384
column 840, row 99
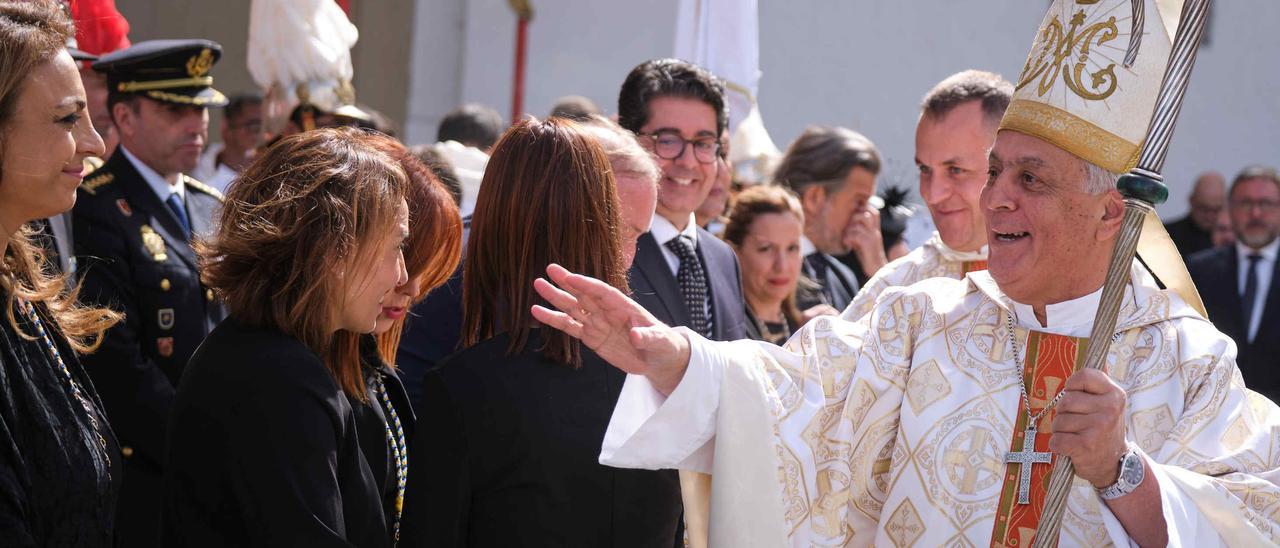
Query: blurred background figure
column 1238, row 283
column 1195, row 231
column 575, row 107
column 463, row 140
column 100, row 29
column 242, row 131
column 1223, row 234
column 710, row 215
column 894, row 214
column 517, row 419
column 833, row 171
column 765, row 227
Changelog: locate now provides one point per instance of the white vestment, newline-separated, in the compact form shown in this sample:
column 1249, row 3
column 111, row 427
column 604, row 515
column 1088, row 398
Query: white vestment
column 931, row 260
column 892, row 430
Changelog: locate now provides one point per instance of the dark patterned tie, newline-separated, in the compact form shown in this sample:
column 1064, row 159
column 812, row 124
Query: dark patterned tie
column 1250, row 293
column 693, row 283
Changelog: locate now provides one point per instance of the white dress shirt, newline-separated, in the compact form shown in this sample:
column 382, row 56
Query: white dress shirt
column 1266, row 266
column 161, row 187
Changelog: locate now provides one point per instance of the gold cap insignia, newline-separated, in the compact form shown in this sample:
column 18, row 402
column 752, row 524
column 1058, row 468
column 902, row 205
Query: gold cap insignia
column 199, row 65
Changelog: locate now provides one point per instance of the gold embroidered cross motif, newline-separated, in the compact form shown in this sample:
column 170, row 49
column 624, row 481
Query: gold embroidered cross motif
column 1055, row 52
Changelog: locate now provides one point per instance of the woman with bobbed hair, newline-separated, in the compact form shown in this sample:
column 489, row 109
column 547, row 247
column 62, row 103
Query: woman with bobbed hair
column 264, row 445
column 765, row 226
column 60, row 466
column 507, row 450
column 384, row 416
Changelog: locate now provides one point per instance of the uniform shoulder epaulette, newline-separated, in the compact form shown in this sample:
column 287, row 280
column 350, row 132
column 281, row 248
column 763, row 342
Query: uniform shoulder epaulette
column 92, row 184
column 202, row 188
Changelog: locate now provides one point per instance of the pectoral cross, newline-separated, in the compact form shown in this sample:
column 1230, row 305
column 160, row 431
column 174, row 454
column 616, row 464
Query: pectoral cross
column 1026, row 458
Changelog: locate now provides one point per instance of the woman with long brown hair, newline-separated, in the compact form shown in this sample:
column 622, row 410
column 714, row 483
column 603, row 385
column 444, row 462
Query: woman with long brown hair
column 264, row 445
column 384, row 417
column 506, row 450
column 765, row 226
column 59, row 463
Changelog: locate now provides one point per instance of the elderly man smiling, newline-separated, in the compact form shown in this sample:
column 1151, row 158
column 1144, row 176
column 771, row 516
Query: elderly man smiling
column 934, row 419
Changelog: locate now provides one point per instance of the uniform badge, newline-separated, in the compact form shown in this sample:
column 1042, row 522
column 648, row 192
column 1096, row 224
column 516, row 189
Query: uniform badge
column 124, row 207
column 164, row 346
column 165, row 318
column 154, row 244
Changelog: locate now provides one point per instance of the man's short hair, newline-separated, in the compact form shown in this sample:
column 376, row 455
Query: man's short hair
column 971, row 85
column 473, row 124
column 1255, row 172
column 667, row 78
column 239, row 102
column 576, row 108
column 824, row 156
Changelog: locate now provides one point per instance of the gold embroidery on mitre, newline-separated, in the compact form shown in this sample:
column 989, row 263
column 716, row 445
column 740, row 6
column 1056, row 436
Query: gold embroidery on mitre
column 1054, row 50
column 199, row 65
column 1072, row 133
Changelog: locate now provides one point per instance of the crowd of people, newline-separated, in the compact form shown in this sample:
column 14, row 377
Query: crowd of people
column 321, row 336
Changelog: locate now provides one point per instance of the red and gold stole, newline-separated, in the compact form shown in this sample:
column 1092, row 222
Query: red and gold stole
column 974, row 266
column 1050, row 360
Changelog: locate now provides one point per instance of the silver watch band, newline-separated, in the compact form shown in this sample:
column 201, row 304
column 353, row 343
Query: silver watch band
column 1132, row 472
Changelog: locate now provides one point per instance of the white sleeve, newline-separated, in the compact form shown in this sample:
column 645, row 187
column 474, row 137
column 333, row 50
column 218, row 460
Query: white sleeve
column 653, row 432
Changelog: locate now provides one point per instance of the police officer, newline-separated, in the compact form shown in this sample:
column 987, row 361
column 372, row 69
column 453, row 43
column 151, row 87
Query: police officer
column 135, row 220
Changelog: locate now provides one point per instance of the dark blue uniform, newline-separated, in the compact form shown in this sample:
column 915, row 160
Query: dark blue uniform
column 133, row 257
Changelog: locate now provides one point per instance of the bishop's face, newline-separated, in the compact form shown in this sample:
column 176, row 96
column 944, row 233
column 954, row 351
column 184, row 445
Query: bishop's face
column 1049, row 240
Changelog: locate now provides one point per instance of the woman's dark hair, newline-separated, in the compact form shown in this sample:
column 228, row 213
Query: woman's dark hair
column 667, row 78
column 548, row 196
column 314, row 204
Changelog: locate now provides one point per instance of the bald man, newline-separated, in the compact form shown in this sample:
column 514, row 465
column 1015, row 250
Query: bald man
column 1195, row 231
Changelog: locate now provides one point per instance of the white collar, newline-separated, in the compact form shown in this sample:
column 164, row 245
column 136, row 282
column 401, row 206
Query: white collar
column 161, row 187
column 1073, row 317
column 1268, row 251
column 806, row 246
column 664, row 231
column 952, row 255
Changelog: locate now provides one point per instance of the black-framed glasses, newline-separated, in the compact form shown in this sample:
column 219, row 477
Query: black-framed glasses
column 669, row 145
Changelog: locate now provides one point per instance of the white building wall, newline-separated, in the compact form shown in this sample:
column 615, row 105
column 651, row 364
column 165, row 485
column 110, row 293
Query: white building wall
column 858, row 63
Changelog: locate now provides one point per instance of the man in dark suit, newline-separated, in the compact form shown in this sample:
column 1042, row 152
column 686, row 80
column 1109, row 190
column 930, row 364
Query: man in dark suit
column 1238, row 283
column 135, row 219
column 682, row 274
column 833, row 171
column 1194, row 232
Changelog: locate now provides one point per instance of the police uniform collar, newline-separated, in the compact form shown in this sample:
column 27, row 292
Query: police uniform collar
column 159, row 186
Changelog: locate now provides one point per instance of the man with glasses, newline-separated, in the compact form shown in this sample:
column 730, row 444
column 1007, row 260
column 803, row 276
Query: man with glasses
column 1238, row 283
column 1195, row 231
column 242, row 132
column 682, row 274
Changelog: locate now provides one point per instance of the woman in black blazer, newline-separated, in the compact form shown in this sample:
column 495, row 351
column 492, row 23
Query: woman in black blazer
column 263, row 442
column 507, row 448
column 384, row 417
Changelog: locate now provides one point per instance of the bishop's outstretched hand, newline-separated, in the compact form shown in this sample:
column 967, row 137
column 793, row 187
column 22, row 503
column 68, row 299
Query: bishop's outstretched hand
column 614, row 326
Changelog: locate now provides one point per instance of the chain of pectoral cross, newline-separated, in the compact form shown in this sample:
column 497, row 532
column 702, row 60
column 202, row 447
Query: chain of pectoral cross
column 1028, row 456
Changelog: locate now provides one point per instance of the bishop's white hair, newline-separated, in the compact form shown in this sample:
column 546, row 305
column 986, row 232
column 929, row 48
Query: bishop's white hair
column 1098, row 179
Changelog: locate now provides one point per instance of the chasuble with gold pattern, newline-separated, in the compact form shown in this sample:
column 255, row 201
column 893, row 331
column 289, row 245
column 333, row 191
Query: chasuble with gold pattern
column 931, row 260
column 905, row 427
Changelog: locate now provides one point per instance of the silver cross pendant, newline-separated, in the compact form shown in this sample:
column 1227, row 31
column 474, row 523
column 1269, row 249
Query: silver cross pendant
column 1026, row 458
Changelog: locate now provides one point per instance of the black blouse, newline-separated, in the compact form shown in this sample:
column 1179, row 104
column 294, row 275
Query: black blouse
column 264, row 450
column 55, row 488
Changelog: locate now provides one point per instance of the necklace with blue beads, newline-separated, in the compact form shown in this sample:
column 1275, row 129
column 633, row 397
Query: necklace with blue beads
column 74, row 387
column 399, row 452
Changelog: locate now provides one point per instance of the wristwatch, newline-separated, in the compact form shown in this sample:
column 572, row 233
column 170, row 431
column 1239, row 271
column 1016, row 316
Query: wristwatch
column 1132, row 471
